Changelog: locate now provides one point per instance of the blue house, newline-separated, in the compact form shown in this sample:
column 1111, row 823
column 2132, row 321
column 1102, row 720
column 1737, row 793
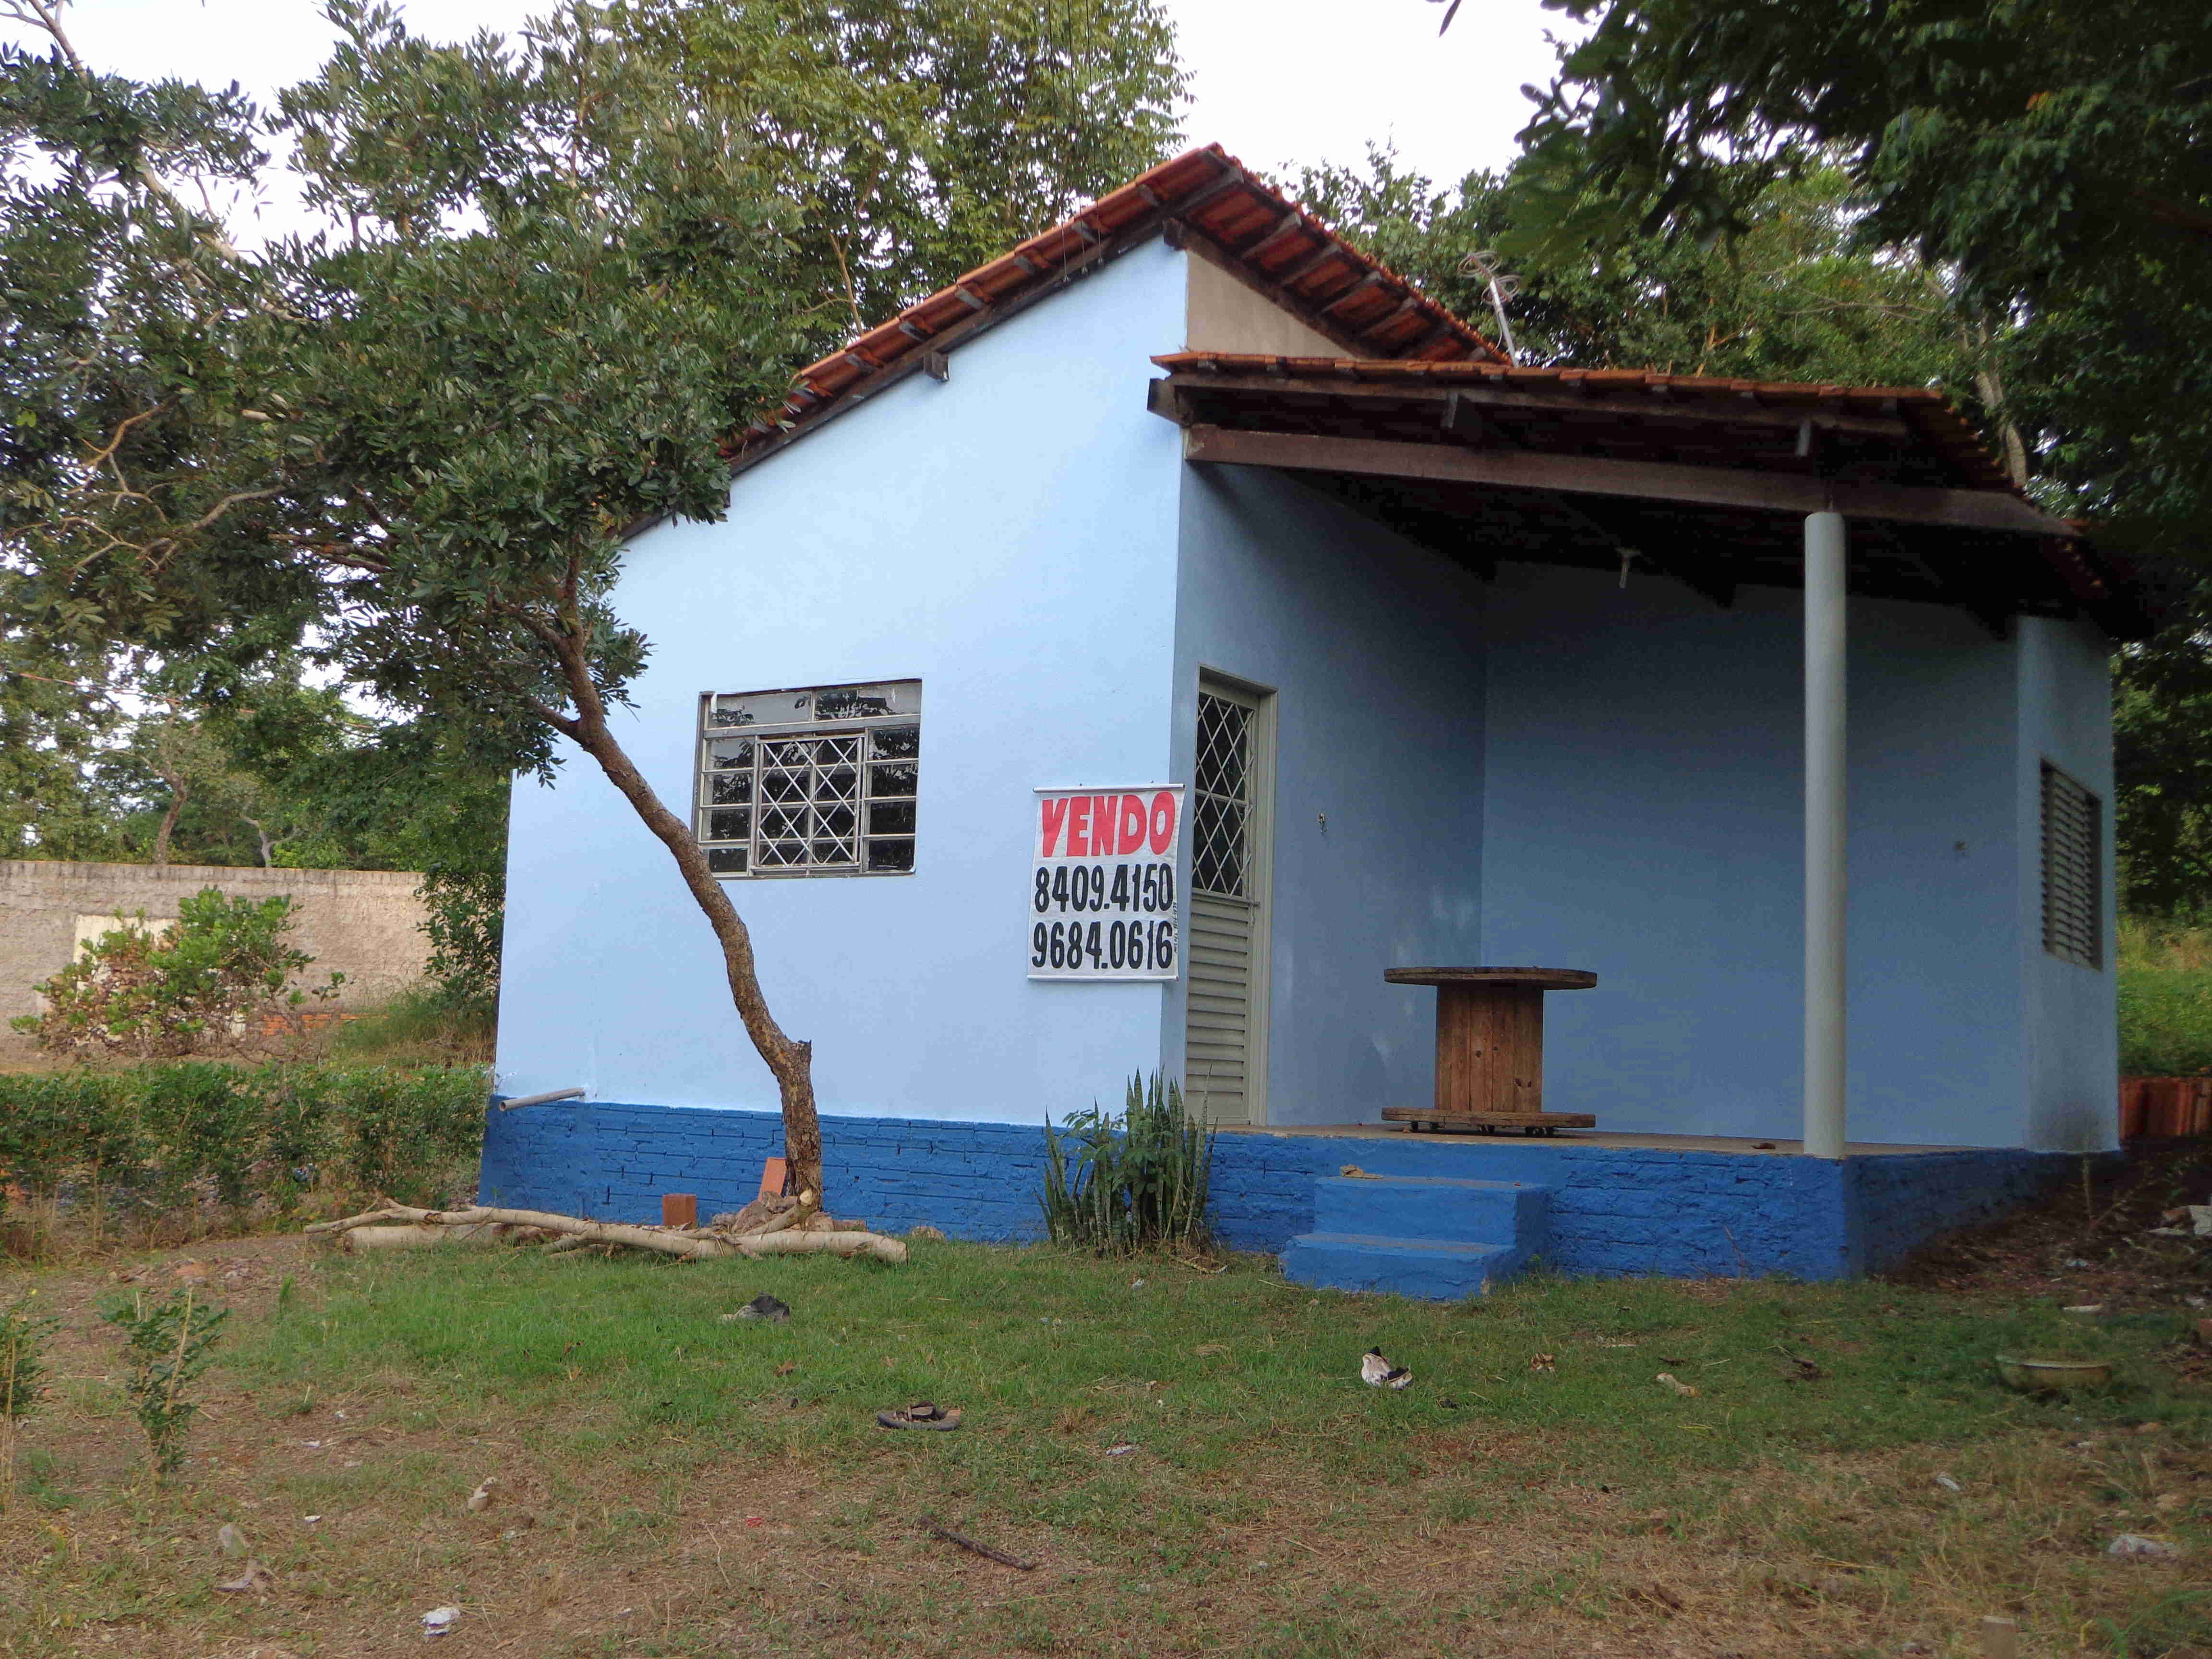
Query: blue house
column 1188, row 543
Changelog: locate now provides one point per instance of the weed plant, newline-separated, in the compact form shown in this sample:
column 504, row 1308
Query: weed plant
column 25, row 1330
column 2166, row 998
column 1120, row 1184
column 424, row 1026
column 168, row 1344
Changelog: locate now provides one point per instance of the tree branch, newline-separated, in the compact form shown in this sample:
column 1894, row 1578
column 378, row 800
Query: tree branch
column 2167, row 211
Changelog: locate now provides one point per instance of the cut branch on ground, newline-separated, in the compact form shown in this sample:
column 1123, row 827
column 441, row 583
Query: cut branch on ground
column 800, row 1230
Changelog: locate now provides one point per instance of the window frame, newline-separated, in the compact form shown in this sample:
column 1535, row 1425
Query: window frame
column 706, row 732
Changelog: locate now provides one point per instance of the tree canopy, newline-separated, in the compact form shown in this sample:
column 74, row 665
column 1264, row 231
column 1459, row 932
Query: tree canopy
column 2048, row 155
column 561, row 270
column 1797, row 296
column 2048, row 160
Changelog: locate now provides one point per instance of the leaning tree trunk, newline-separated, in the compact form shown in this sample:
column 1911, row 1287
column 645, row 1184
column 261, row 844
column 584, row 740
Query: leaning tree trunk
column 790, row 1060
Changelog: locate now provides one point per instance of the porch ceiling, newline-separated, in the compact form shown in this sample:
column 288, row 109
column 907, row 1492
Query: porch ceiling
column 1706, row 481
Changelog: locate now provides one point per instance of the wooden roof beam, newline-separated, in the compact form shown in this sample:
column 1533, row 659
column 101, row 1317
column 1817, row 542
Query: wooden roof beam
column 1704, row 577
column 1576, row 396
column 1740, row 487
column 1310, row 264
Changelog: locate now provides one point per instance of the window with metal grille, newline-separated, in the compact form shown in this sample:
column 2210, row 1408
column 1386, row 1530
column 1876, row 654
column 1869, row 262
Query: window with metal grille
column 1221, row 810
column 815, row 781
column 2073, row 871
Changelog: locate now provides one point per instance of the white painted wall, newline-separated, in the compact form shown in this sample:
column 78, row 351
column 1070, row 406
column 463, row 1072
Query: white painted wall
column 1644, row 820
column 1373, row 647
column 1008, row 537
column 2070, row 1012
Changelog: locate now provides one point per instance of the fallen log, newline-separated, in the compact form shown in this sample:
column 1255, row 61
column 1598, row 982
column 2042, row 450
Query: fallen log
column 801, row 1244
column 688, row 1244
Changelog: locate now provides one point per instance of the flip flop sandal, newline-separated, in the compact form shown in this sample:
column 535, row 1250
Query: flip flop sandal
column 922, row 1414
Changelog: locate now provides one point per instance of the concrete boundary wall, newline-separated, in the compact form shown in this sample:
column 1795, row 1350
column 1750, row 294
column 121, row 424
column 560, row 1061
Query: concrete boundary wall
column 1612, row 1210
column 364, row 924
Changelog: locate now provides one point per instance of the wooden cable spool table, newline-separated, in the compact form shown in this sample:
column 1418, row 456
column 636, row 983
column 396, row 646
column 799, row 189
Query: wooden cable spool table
column 1489, row 1048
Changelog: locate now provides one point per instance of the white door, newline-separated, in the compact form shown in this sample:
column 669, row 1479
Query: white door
column 1225, row 1028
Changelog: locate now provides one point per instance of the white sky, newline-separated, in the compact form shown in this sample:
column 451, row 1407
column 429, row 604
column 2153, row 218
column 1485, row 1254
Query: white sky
column 1275, row 82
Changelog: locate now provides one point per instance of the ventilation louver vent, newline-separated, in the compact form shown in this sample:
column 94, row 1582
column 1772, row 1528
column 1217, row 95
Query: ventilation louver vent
column 2073, row 871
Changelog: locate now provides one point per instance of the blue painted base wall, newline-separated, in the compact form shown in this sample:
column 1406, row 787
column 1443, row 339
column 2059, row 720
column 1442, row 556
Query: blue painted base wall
column 1612, row 1210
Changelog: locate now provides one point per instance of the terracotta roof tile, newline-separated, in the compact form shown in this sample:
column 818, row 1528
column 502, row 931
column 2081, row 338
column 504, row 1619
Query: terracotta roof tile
column 1285, row 248
column 1930, row 414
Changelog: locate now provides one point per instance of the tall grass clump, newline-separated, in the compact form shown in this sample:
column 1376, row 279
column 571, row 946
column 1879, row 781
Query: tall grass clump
column 2166, row 998
column 425, row 1026
column 1118, row 1184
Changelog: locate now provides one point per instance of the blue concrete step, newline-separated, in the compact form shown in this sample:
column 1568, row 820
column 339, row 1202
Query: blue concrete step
column 1429, row 1206
column 1433, row 1269
column 1419, row 1236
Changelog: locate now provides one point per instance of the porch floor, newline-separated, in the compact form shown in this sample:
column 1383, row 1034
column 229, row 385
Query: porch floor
column 1746, row 1145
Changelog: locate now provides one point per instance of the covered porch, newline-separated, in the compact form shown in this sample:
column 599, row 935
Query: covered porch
column 1878, row 517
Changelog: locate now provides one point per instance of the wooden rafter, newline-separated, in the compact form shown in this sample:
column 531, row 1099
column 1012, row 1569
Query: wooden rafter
column 1741, row 488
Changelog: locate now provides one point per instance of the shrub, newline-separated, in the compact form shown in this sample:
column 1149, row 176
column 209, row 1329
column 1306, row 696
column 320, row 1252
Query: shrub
column 167, row 1343
column 209, row 982
column 404, row 1131
column 157, row 1139
column 1135, row 1181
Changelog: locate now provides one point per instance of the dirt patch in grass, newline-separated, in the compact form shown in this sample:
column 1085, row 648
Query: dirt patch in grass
column 670, row 1484
column 2093, row 1242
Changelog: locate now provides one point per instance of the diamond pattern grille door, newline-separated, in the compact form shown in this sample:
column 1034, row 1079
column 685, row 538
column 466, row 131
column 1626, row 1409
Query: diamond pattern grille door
column 1225, row 1018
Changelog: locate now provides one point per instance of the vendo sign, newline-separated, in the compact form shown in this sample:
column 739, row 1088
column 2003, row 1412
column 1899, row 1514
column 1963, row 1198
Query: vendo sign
column 1102, row 899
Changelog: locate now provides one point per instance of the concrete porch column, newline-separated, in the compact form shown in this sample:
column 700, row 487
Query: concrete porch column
column 1825, row 598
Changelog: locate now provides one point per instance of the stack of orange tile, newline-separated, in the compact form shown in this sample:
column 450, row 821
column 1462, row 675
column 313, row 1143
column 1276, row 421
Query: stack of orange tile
column 2155, row 1106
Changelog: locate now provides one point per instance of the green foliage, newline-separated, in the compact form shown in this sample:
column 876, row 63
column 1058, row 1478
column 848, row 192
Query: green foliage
column 209, row 982
column 563, row 270
column 155, row 1138
column 2025, row 142
column 2162, row 769
column 1136, row 1180
column 2166, row 999
column 920, row 138
column 24, row 1331
column 2049, row 152
column 167, row 1344
column 1795, row 297
column 415, row 798
column 403, row 1131
column 54, row 723
column 559, row 272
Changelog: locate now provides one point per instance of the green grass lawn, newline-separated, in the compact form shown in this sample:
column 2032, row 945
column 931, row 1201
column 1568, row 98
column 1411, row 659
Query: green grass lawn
column 1058, row 1356
column 672, row 1484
